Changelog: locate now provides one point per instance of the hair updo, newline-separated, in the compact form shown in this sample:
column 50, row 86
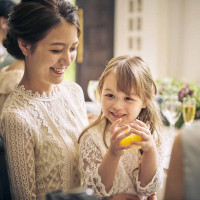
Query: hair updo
column 31, row 20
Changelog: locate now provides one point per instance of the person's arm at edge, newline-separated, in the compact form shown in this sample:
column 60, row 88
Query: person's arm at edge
column 174, row 184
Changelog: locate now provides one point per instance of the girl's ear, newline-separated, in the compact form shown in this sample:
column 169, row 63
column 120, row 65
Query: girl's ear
column 144, row 105
column 24, row 47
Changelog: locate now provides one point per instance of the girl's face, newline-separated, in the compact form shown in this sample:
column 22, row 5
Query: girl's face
column 116, row 104
column 51, row 57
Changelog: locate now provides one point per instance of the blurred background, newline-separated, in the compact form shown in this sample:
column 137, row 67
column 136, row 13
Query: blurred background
column 165, row 33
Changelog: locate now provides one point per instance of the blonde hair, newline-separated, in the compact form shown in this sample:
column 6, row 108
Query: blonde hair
column 132, row 72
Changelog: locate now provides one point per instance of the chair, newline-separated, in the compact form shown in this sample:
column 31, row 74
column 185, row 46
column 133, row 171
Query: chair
column 4, row 180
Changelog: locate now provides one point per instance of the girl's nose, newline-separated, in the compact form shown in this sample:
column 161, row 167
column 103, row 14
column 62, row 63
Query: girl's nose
column 118, row 104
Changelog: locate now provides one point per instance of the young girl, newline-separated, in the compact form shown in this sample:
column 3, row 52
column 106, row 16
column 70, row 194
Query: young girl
column 127, row 94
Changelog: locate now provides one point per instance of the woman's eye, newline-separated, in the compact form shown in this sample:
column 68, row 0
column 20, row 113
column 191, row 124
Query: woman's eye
column 73, row 49
column 56, row 51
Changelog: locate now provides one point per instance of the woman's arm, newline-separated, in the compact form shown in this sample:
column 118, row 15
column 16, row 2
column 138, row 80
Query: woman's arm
column 174, row 184
column 19, row 147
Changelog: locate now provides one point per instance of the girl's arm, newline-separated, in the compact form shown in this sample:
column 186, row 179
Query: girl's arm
column 19, row 146
column 148, row 167
column 150, row 173
column 108, row 167
column 98, row 172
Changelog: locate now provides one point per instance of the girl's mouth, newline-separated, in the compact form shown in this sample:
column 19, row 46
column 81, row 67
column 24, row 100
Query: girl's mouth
column 117, row 115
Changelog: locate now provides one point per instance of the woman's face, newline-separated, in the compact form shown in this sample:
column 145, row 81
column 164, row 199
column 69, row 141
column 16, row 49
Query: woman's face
column 116, row 104
column 51, row 57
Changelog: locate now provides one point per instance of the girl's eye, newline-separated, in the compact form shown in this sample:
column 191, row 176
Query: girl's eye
column 56, row 51
column 128, row 99
column 110, row 95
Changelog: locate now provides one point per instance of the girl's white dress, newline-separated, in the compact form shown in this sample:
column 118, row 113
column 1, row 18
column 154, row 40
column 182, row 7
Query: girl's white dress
column 92, row 151
column 40, row 134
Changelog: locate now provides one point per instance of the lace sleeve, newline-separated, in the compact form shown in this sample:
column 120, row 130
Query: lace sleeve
column 19, row 144
column 157, row 180
column 90, row 159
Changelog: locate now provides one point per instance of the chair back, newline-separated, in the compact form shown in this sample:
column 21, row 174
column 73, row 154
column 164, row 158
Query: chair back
column 4, row 180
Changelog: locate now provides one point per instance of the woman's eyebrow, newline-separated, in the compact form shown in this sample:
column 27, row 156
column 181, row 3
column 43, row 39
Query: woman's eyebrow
column 63, row 44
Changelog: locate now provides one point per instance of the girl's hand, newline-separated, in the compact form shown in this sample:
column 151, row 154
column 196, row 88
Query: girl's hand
column 152, row 197
column 117, row 135
column 140, row 128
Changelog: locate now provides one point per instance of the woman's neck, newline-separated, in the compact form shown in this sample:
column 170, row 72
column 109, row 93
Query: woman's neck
column 35, row 86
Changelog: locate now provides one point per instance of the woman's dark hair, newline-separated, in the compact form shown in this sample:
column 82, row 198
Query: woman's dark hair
column 31, row 21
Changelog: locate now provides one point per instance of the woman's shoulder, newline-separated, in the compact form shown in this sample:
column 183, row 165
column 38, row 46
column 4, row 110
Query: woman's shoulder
column 72, row 90
column 190, row 134
column 71, row 85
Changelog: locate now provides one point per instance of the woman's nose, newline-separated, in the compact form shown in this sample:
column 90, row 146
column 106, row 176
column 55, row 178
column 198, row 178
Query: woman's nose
column 66, row 59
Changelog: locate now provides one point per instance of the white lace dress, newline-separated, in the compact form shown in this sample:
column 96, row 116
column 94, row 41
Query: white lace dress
column 92, row 151
column 40, row 133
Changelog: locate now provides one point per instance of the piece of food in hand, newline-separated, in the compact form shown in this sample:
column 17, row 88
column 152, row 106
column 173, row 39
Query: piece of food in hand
column 130, row 138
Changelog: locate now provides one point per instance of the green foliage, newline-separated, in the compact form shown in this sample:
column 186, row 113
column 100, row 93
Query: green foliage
column 180, row 88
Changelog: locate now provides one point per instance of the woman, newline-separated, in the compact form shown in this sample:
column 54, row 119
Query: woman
column 43, row 116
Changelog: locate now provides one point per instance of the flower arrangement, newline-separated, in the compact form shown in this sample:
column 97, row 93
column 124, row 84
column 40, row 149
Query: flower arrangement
column 181, row 89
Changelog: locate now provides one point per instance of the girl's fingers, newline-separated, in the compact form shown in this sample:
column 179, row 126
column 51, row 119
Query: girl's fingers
column 140, row 133
column 140, row 128
column 115, row 124
column 138, row 143
column 141, row 123
column 122, row 136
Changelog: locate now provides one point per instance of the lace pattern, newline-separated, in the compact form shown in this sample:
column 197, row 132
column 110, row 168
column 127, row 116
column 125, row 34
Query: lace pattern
column 40, row 133
column 92, row 151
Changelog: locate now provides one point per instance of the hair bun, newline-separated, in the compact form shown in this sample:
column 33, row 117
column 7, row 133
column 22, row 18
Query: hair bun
column 43, row 2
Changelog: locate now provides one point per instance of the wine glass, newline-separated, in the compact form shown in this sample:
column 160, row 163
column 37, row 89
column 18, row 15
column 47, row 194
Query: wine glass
column 92, row 90
column 94, row 106
column 189, row 109
column 171, row 108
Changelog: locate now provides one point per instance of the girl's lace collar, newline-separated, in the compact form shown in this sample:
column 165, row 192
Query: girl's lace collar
column 45, row 96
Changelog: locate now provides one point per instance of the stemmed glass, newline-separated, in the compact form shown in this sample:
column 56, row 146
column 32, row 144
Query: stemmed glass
column 189, row 109
column 92, row 90
column 171, row 108
column 94, row 106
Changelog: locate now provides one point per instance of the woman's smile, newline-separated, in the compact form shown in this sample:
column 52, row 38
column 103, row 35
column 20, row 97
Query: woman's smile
column 58, row 70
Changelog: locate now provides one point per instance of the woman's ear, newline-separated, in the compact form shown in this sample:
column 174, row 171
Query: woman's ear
column 24, row 46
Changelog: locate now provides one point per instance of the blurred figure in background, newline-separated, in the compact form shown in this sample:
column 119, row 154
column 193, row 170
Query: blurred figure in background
column 183, row 181
column 11, row 71
column 10, row 76
column 6, row 7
